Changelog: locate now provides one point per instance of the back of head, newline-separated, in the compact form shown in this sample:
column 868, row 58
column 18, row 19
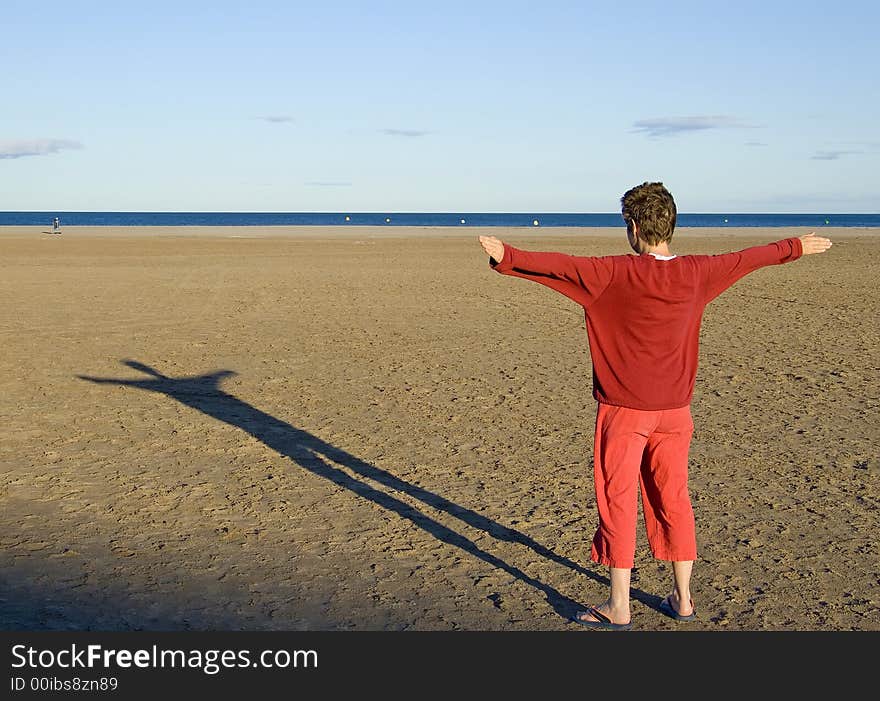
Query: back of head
column 651, row 206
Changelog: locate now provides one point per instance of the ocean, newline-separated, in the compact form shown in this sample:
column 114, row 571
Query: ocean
column 479, row 219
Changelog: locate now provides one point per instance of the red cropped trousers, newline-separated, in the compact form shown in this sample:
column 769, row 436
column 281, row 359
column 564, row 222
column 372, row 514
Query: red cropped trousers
column 636, row 449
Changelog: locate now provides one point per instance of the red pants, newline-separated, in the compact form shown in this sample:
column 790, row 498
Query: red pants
column 649, row 449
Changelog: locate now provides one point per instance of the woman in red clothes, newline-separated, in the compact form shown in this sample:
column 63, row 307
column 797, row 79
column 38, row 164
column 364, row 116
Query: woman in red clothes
column 643, row 317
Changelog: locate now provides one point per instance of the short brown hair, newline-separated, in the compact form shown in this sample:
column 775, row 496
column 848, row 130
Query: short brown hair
column 651, row 206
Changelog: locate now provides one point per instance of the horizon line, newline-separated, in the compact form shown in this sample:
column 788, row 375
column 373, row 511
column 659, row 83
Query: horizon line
column 418, row 212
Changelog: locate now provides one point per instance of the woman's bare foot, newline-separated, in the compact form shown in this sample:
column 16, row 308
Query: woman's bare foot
column 681, row 608
column 673, row 607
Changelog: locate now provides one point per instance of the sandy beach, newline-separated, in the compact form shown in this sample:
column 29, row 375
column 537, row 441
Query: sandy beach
column 365, row 428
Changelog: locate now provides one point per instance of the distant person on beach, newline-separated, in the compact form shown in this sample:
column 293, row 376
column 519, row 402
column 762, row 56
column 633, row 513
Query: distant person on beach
column 56, row 226
column 643, row 315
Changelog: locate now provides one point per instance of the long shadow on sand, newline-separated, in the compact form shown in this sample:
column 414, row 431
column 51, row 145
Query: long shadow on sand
column 203, row 392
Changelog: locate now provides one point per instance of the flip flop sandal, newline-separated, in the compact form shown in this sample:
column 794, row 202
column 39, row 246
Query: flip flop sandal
column 666, row 608
column 602, row 621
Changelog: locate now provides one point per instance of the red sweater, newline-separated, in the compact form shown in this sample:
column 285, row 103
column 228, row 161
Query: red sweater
column 643, row 314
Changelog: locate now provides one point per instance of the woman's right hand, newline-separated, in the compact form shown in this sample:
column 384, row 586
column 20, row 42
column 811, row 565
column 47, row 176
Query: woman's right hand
column 814, row 244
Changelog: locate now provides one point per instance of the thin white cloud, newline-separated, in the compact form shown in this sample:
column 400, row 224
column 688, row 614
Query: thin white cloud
column 22, row 148
column 755, row 143
column 404, row 132
column 277, row 118
column 672, row 126
column 328, row 183
column 831, row 155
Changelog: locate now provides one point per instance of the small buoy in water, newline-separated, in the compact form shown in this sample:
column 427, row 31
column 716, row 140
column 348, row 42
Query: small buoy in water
column 535, row 223
column 348, row 219
column 826, row 221
column 725, row 221
column 387, row 220
column 462, row 221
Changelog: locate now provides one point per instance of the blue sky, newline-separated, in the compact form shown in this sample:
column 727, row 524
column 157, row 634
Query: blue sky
column 438, row 107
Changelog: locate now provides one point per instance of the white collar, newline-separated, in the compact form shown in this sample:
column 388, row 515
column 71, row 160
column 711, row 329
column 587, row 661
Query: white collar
column 659, row 257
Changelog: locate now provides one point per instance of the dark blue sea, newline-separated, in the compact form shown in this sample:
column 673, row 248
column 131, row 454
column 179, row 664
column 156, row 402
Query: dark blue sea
column 420, row 219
